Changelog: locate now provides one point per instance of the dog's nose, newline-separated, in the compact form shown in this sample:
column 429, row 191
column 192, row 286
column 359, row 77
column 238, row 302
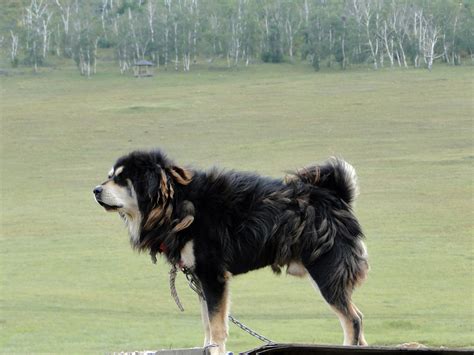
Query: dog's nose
column 98, row 190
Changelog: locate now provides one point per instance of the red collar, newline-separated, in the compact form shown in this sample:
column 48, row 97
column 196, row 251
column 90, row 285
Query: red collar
column 163, row 248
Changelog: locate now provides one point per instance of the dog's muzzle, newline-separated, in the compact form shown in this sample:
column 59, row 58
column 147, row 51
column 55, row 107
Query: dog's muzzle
column 98, row 197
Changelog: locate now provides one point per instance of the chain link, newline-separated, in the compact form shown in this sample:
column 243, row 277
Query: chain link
column 195, row 285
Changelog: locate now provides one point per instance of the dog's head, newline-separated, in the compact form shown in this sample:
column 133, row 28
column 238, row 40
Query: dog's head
column 141, row 187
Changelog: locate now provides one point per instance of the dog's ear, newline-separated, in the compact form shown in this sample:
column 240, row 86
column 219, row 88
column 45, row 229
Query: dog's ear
column 180, row 175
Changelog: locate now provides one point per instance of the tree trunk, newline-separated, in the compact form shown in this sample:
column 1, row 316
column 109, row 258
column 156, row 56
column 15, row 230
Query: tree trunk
column 388, row 48
column 14, row 47
column 166, row 46
column 176, row 46
column 289, row 31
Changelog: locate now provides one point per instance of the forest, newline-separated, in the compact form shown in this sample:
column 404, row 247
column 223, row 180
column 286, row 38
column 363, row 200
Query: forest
column 178, row 34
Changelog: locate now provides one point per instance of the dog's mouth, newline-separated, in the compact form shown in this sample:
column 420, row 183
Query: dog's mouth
column 108, row 208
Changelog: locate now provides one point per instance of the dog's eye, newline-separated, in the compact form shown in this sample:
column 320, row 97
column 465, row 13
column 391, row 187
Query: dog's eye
column 121, row 180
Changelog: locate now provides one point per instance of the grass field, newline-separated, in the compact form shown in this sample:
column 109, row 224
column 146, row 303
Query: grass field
column 70, row 282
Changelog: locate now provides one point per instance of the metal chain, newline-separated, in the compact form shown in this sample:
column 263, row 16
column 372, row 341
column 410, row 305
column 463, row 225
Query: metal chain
column 250, row 331
column 195, row 285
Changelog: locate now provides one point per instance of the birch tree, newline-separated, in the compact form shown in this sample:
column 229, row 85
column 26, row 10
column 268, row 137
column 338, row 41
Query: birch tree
column 348, row 32
column 36, row 21
column 293, row 17
column 430, row 37
column 370, row 18
column 14, row 48
column 64, row 8
column 85, row 37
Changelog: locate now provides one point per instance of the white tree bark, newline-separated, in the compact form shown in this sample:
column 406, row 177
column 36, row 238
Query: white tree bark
column 373, row 49
column 388, row 42
column 36, row 19
column 151, row 10
column 306, row 12
column 65, row 12
column 431, row 39
column 14, row 46
column 176, row 61
column 45, row 32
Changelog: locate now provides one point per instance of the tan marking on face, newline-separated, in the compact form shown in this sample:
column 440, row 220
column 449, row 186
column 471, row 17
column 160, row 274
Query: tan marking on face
column 118, row 171
column 115, row 195
column 125, row 200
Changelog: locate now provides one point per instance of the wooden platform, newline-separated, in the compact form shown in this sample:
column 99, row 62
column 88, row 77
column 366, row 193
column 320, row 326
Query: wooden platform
column 299, row 349
column 359, row 350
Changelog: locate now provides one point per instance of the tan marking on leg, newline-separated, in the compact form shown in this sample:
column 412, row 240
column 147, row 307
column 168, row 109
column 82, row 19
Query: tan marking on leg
column 346, row 320
column 219, row 327
column 347, row 326
column 362, row 340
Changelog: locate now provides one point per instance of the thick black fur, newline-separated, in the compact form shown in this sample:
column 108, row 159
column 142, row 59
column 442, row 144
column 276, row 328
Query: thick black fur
column 242, row 222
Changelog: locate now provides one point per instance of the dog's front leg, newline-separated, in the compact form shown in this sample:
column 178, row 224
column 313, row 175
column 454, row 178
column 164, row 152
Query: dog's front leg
column 205, row 322
column 218, row 325
column 217, row 302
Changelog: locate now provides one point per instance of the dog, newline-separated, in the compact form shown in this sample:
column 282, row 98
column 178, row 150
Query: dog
column 221, row 223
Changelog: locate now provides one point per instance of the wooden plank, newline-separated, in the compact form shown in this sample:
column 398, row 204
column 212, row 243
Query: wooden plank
column 190, row 351
column 299, row 349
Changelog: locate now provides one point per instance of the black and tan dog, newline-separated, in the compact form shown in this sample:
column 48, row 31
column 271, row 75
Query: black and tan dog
column 225, row 223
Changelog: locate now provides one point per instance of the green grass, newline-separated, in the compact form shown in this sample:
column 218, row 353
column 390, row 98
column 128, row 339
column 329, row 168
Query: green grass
column 70, row 282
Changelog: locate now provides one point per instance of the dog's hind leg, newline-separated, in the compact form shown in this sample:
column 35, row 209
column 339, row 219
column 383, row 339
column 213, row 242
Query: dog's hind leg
column 329, row 276
column 351, row 323
column 362, row 340
column 350, row 319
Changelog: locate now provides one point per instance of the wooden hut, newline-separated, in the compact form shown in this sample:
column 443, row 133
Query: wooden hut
column 143, row 68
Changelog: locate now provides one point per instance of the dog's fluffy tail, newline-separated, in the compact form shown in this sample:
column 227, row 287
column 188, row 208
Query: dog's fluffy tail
column 336, row 175
column 333, row 250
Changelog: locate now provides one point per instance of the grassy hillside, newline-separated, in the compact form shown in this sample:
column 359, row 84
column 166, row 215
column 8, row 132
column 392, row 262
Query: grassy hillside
column 70, row 282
